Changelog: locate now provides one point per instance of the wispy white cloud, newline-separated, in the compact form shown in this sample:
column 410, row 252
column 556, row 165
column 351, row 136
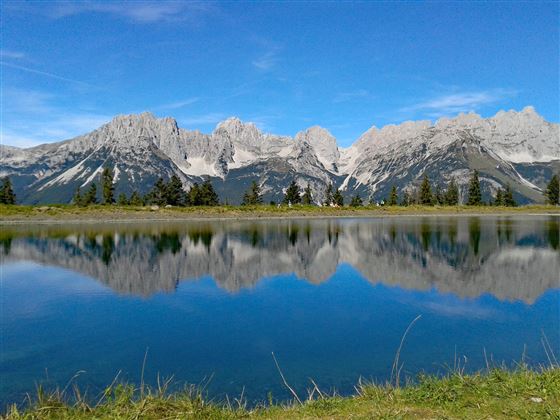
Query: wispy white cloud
column 7, row 54
column 135, row 11
column 33, row 117
column 351, row 95
column 456, row 102
column 462, row 310
column 179, row 104
column 55, row 128
column 13, row 139
column 44, row 73
column 266, row 61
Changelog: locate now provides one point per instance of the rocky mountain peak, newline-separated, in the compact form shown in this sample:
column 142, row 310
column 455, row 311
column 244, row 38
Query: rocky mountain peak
column 392, row 134
column 138, row 130
column 323, row 144
column 463, row 121
column 235, row 127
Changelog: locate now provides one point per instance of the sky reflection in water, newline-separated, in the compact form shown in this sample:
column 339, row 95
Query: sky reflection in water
column 331, row 298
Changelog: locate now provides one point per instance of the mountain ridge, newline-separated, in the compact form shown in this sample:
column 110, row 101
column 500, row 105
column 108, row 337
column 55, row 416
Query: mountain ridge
column 516, row 147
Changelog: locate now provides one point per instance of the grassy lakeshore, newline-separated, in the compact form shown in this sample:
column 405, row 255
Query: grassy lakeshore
column 114, row 212
column 496, row 394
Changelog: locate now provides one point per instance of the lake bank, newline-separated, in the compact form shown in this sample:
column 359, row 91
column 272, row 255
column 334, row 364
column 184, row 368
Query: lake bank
column 497, row 394
column 65, row 213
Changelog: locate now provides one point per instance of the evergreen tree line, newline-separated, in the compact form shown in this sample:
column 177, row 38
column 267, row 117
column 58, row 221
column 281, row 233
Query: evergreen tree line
column 426, row 195
column 172, row 193
column 295, row 195
column 162, row 194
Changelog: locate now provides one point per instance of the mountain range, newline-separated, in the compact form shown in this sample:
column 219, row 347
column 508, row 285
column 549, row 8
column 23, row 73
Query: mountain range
column 516, row 148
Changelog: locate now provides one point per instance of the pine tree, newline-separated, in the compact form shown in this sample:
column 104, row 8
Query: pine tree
column 135, row 199
column 175, row 195
column 208, row 195
column 475, row 196
column 552, row 192
column 425, row 197
column 246, row 200
column 509, row 201
column 193, row 196
column 252, row 196
column 307, row 197
column 393, row 197
column 292, row 195
column 158, row 194
column 91, row 195
column 356, row 201
column 122, row 200
column 452, row 193
column 7, row 195
column 499, row 197
column 338, row 199
column 107, row 185
column 78, row 200
column 439, row 197
column 405, row 199
column 328, row 195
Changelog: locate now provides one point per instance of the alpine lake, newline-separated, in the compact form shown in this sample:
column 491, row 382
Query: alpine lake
column 209, row 302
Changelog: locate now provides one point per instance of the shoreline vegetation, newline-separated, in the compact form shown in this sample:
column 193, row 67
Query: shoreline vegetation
column 496, row 393
column 61, row 212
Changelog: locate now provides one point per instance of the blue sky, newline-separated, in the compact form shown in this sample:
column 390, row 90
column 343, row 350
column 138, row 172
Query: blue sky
column 68, row 67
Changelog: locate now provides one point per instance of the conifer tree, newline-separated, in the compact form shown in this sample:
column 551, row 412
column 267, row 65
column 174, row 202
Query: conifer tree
column 193, row 196
column 7, row 195
column 552, row 192
column 253, row 195
column 122, row 200
column 292, row 195
column 208, row 196
column 175, row 195
column 107, row 185
column 338, row 199
column 393, row 197
column 307, row 197
column 425, row 197
column 158, row 194
column 405, row 199
column 499, row 198
column 78, row 200
column 356, row 201
column 135, row 199
column 452, row 193
column 475, row 196
column 329, row 195
column 439, row 197
column 508, row 199
column 91, row 195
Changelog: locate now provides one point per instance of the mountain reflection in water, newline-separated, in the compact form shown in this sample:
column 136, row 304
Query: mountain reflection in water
column 512, row 258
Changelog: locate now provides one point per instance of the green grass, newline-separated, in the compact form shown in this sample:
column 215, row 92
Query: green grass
column 66, row 212
column 496, row 394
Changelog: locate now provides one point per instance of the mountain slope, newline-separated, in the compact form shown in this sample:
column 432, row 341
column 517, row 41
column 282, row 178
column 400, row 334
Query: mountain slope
column 516, row 148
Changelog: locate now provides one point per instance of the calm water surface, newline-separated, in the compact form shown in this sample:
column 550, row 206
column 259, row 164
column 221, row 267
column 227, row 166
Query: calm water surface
column 208, row 302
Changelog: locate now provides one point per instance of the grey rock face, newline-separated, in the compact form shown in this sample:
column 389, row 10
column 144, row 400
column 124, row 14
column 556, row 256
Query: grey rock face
column 519, row 148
